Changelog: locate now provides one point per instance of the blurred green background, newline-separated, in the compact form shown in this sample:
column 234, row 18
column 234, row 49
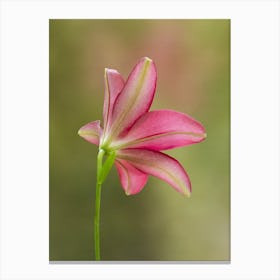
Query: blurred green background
column 193, row 64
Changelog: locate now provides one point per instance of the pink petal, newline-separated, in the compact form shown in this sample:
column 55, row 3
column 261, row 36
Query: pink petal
column 136, row 97
column 158, row 165
column 162, row 130
column 113, row 86
column 132, row 179
column 91, row 132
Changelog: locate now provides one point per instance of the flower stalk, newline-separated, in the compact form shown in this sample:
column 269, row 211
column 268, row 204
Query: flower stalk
column 102, row 172
column 97, row 205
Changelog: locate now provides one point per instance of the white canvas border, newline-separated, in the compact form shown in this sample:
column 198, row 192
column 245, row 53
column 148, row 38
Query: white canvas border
column 254, row 138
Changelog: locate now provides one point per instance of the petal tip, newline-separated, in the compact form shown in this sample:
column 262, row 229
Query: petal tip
column 187, row 194
column 148, row 62
column 130, row 193
column 127, row 193
column 187, row 191
column 147, row 59
column 109, row 70
column 203, row 137
column 80, row 132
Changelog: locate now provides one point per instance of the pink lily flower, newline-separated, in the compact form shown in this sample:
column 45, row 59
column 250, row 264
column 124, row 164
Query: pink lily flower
column 137, row 136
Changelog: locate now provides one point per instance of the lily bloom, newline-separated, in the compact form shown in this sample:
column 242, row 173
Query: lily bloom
column 136, row 136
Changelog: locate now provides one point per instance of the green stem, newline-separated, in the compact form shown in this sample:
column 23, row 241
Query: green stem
column 97, row 205
column 102, row 172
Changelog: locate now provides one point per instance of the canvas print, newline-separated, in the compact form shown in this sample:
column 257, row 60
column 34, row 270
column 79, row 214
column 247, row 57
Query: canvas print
column 139, row 140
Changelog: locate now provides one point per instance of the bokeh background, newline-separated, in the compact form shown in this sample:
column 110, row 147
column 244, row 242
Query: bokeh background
column 158, row 224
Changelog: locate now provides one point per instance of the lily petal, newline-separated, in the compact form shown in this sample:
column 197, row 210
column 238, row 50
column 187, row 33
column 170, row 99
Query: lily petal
column 162, row 130
column 158, row 165
column 132, row 179
column 114, row 83
column 91, row 132
column 135, row 99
